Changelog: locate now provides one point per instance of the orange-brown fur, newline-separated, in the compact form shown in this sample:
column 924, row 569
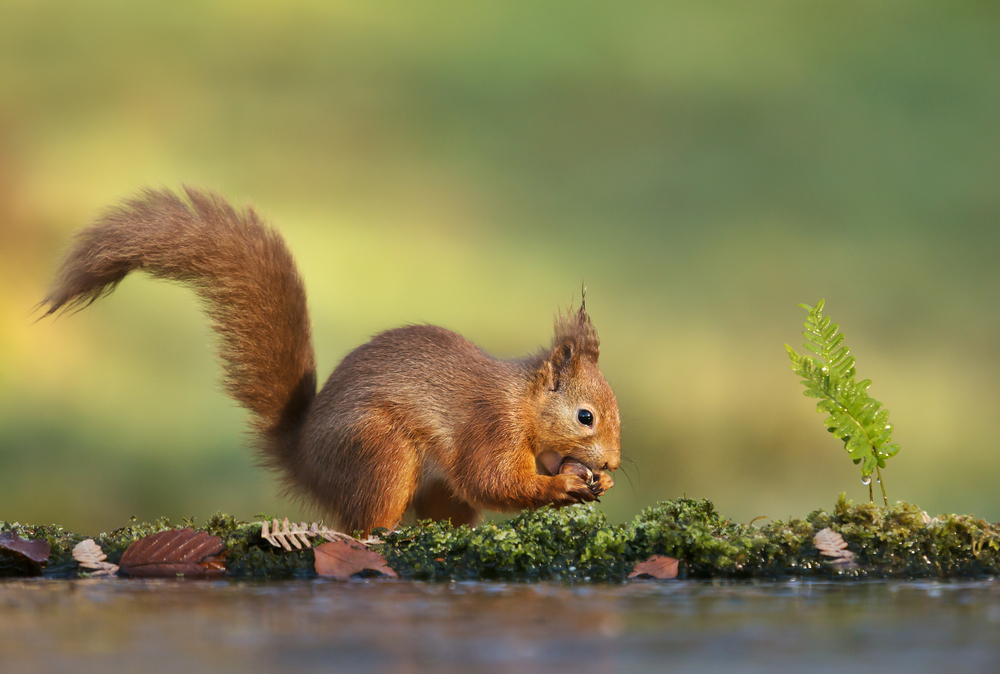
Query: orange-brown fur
column 417, row 416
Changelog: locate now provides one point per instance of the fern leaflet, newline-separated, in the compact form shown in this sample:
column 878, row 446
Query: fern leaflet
column 854, row 416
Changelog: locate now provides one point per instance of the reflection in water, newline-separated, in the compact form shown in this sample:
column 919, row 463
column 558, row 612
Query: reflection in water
column 313, row 626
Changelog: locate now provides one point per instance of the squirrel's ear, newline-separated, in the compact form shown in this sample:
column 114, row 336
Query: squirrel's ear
column 546, row 378
column 556, row 364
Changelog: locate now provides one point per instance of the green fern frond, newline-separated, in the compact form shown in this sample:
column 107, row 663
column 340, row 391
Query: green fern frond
column 854, row 416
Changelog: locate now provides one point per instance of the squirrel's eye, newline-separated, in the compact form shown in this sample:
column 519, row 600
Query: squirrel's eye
column 585, row 417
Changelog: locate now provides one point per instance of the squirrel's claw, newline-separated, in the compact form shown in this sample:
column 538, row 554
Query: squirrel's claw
column 601, row 483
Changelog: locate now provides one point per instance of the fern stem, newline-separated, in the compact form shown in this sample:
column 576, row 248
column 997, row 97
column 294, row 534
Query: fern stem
column 881, row 486
column 871, row 494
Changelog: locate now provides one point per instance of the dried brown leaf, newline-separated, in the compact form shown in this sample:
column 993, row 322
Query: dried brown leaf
column 831, row 544
column 193, row 554
column 25, row 553
column 343, row 559
column 659, row 567
column 90, row 556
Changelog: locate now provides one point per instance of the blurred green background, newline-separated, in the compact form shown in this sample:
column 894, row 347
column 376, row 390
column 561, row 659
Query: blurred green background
column 703, row 167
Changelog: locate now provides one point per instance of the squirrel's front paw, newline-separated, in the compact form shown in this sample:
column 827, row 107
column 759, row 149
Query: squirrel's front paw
column 570, row 489
column 598, row 482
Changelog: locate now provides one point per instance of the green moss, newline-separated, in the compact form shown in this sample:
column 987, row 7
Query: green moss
column 896, row 541
column 573, row 543
column 691, row 531
column 577, row 544
column 250, row 556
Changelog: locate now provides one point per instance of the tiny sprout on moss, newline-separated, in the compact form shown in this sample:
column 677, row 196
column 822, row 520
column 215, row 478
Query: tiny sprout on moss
column 854, row 416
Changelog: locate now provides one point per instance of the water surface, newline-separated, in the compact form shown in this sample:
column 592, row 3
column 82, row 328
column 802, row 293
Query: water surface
column 679, row 626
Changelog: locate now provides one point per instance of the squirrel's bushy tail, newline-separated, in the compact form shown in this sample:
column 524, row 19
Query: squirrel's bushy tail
column 242, row 271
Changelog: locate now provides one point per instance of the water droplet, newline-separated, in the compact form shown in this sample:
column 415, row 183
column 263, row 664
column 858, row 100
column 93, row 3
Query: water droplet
column 866, row 479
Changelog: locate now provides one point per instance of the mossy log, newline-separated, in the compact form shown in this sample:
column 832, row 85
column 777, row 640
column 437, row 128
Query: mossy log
column 577, row 544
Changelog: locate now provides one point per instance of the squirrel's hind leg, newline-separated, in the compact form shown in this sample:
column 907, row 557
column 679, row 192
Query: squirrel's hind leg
column 435, row 500
column 366, row 477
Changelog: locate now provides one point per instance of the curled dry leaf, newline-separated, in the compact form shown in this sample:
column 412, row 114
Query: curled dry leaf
column 23, row 555
column 831, row 544
column 346, row 558
column 178, row 552
column 659, row 567
column 90, row 556
column 287, row 534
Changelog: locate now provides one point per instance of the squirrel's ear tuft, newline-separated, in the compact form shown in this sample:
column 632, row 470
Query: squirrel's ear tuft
column 575, row 339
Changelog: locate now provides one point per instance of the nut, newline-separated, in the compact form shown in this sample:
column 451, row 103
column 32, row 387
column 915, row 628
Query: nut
column 574, row 467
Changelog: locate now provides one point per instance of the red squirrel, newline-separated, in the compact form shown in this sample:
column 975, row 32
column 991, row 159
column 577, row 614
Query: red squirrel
column 418, row 416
